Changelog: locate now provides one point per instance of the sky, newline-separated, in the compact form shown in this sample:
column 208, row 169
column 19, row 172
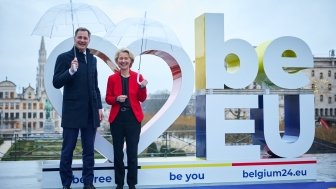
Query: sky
column 255, row 21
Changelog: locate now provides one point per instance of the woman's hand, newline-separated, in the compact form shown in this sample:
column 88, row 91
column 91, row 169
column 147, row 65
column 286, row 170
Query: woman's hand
column 121, row 98
column 143, row 83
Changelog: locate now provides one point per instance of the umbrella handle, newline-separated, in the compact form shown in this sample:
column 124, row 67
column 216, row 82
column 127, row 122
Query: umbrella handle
column 75, row 54
column 138, row 77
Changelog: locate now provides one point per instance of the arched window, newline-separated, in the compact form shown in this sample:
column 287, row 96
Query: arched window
column 313, row 73
column 321, row 98
column 329, row 73
column 321, row 75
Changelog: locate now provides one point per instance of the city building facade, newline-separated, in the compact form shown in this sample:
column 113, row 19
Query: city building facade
column 323, row 83
column 24, row 112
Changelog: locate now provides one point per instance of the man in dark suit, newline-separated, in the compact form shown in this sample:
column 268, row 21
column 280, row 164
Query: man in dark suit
column 76, row 72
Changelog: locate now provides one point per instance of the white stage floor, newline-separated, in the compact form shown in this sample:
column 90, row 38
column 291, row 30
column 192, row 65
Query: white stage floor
column 28, row 174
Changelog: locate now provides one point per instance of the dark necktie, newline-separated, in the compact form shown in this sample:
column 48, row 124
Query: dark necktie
column 85, row 57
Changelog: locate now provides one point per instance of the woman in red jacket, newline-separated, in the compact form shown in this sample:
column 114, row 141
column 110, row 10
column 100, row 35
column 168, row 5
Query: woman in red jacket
column 124, row 94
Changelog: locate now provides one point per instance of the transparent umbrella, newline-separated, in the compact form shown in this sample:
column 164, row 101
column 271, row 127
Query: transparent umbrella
column 61, row 20
column 141, row 28
column 131, row 29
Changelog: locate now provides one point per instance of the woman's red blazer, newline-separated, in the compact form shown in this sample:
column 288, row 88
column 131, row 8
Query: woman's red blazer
column 136, row 94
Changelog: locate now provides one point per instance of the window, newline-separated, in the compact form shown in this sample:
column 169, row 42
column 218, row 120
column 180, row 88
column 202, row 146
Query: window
column 316, row 112
column 321, row 75
column 321, row 112
column 41, row 106
column 331, row 111
column 24, row 115
column 313, row 86
column 329, row 100
column 29, row 106
column 329, row 86
column 329, row 73
column 321, row 98
column 313, row 73
column 326, row 112
column 1, row 93
column 17, row 115
column 12, row 95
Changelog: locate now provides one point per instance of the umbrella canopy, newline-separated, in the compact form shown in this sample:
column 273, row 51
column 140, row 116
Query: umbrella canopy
column 60, row 20
column 132, row 29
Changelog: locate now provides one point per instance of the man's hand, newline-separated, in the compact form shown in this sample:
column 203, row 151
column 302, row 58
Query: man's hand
column 101, row 114
column 74, row 65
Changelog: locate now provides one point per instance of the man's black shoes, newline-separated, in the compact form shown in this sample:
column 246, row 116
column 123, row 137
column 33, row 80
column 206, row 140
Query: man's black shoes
column 89, row 186
column 66, row 187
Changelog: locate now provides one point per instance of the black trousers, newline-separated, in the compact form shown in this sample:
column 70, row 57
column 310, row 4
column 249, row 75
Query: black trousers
column 69, row 143
column 125, row 128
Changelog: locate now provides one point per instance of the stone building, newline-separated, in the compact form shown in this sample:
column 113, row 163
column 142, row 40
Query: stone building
column 323, row 82
column 24, row 112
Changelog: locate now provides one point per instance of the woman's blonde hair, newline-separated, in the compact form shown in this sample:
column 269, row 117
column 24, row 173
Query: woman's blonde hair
column 124, row 50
